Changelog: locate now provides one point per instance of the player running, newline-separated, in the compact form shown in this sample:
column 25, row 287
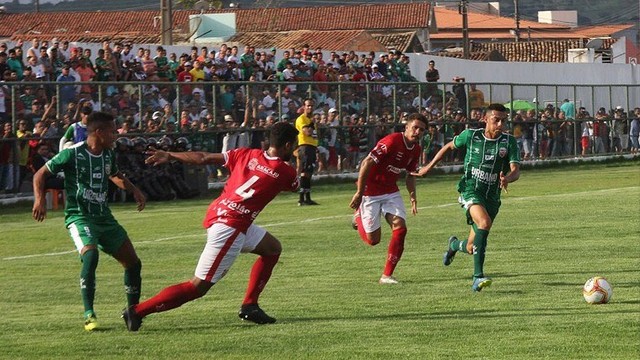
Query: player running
column 378, row 195
column 256, row 177
column 88, row 166
column 490, row 154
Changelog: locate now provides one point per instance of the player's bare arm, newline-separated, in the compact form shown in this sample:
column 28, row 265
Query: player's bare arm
column 365, row 168
column 436, row 159
column 39, row 211
column 123, row 183
column 157, row 157
column 514, row 175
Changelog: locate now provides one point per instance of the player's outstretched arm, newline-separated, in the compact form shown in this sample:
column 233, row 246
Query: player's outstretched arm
column 436, row 159
column 39, row 211
column 123, row 183
column 157, row 157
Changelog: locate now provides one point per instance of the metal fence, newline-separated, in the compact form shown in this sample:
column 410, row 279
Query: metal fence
column 366, row 112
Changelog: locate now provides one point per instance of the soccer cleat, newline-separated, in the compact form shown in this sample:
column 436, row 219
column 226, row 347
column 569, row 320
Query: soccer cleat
column 447, row 259
column 131, row 319
column 480, row 283
column 354, row 220
column 302, row 203
column 388, row 280
column 91, row 323
column 253, row 313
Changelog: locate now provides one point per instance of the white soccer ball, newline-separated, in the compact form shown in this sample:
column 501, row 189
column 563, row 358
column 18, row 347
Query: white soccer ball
column 597, row 290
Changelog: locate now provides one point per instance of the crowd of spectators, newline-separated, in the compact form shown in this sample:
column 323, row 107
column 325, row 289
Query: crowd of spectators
column 219, row 99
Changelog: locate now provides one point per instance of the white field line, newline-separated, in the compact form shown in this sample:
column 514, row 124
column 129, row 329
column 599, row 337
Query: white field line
column 505, row 198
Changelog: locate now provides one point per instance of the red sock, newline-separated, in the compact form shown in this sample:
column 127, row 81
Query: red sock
column 396, row 247
column 169, row 298
column 363, row 234
column 260, row 274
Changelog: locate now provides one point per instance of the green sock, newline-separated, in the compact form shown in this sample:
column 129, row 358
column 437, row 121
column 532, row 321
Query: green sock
column 132, row 283
column 88, row 279
column 459, row 245
column 479, row 247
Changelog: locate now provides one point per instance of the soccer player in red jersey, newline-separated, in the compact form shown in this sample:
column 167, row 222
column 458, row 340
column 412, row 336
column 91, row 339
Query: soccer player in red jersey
column 378, row 195
column 256, row 177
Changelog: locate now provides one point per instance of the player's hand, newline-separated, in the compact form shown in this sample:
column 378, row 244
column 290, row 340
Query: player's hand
column 355, row 201
column 503, row 182
column 422, row 172
column 138, row 196
column 39, row 211
column 156, row 157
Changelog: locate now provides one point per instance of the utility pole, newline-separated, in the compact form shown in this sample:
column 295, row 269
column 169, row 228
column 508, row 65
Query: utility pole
column 517, row 17
column 167, row 23
column 462, row 9
column 37, row 3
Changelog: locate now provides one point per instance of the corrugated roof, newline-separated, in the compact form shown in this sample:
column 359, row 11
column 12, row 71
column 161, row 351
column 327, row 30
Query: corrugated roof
column 356, row 40
column 358, row 17
column 405, row 41
column 450, row 19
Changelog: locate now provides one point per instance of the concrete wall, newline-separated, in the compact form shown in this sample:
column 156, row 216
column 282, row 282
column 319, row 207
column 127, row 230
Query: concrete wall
column 615, row 84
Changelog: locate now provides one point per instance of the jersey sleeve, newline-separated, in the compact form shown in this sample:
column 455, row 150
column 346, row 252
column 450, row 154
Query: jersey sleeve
column 230, row 158
column 59, row 162
column 460, row 141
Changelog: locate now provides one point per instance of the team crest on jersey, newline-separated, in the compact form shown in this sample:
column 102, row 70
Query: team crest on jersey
column 252, row 164
column 502, row 152
column 107, row 168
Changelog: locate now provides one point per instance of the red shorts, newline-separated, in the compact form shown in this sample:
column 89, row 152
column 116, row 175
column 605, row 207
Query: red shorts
column 584, row 142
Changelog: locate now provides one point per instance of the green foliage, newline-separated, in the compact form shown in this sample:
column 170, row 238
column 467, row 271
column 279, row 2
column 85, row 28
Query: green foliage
column 556, row 228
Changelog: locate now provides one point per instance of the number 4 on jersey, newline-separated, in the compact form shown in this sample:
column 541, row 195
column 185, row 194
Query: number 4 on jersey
column 245, row 190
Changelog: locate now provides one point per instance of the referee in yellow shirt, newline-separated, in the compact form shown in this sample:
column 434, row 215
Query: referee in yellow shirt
column 307, row 147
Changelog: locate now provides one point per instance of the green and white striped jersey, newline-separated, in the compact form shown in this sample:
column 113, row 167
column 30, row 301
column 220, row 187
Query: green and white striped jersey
column 484, row 160
column 86, row 181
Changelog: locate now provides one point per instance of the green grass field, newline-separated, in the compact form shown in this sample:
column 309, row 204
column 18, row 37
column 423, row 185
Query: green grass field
column 557, row 228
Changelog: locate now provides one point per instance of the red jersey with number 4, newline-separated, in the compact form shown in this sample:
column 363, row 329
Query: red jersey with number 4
column 256, row 178
column 391, row 155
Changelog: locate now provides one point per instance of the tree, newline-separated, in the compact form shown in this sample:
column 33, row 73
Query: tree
column 189, row 4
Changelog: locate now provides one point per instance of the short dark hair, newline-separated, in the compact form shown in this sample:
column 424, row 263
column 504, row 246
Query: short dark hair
column 98, row 120
column 282, row 133
column 497, row 107
column 418, row 116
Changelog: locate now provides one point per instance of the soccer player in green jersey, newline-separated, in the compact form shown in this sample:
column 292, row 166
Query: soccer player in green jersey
column 88, row 166
column 492, row 161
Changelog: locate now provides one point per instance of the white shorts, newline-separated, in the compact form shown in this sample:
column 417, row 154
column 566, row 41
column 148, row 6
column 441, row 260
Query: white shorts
column 372, row 208
column 224, row 243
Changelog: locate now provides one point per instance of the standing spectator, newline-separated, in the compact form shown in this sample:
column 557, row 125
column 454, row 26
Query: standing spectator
column 256, row 178
column 6, row 159
column 88, row 169
column 481, row 184
column 67, row 92
column 377, row 194
column 461, row 94
column 600, row 131
column 634, row 132
column 476, row 97
column 619, row 132
column 569, row 109
column 432, row 75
